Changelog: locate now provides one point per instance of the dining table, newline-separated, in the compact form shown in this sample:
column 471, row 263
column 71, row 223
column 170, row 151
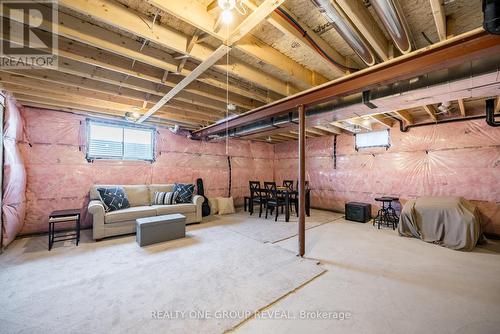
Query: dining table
column 287, row 194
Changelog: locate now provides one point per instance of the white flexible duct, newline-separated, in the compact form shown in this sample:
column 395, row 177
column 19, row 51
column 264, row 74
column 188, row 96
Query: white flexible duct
column 344, row 28
column 390, row 16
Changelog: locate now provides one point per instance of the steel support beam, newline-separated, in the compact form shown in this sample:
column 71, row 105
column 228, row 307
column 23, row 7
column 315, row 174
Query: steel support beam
column 302, row 180
column 467, row 47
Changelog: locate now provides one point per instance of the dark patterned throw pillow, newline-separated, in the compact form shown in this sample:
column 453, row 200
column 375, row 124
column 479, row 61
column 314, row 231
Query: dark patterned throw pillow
column 113, row 198
column 185, row 192
column 165, row 198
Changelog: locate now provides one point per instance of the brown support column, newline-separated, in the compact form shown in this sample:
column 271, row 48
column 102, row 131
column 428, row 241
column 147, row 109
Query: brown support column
column 302, row 178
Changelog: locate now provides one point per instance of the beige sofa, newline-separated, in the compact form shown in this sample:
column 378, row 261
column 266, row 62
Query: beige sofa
column 106, row 224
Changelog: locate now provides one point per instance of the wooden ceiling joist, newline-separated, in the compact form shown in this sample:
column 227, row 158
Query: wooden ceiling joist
column 84, row 112
column 315, row 132
column 198, row 17
column 285, row 138
column 207, row 63
column 97, row 93
column 252, row 20
column 99, row 58
column 308, row 134
column 122, row 81
column 172, row 114
column 93, row 35
column 328, row 129
column 439, row 18
column 382, row 120
column 282, row 25
column 241, row 30
column 343, row 126
column 461, row 106
column 192, row 41
column 431, row 111
column 81, row 105
column 456, row 50
column 128, row 20
column 362, row 123
column 405, row 115
column 290, row 135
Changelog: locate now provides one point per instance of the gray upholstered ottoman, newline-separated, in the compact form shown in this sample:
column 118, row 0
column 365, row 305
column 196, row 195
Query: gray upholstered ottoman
column 160, row 228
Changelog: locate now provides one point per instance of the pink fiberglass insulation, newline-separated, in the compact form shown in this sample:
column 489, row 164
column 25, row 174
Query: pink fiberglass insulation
column 460, row 159
column 14, row 173
column 59, row 177
column 454, row 159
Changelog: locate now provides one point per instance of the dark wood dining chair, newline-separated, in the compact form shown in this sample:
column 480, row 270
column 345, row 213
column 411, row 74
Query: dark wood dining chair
column 256, row 196
column 273, row 201
column 288, row 184
column 292, row 197
column 306, row 184
column 308, row 204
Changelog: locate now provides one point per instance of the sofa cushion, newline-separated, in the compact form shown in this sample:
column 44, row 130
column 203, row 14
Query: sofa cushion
column 164, row 198
column 186, row 191
column 138, row 195
column 159, row 188
column 226, row 205
column 129, row 214
column 214, row 205
column 113, row 198
column 176, row 208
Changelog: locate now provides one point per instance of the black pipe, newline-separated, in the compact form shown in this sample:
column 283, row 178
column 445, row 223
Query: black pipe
column 335, row 151
column 490, row 113
column 230, row 175
column 404, row 128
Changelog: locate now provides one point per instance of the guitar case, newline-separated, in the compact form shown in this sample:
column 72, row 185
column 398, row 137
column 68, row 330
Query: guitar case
column 205, row 207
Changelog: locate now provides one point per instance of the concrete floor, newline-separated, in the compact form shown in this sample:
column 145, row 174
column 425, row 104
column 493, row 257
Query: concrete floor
column 389, row 284
column 384, row 283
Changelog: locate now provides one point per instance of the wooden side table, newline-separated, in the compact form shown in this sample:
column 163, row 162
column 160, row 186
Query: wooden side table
column 63, row 216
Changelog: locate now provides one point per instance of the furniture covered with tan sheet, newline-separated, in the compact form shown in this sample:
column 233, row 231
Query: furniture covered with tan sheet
column 451, row 222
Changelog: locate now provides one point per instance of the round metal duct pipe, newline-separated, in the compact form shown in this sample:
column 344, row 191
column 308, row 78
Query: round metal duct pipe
column 341, row 24
column 390, row 16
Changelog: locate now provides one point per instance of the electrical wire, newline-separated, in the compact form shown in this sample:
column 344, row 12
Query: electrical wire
column 281, row 12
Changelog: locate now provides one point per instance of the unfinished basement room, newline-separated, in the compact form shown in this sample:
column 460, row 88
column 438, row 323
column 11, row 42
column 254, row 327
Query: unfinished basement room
column 250, row 166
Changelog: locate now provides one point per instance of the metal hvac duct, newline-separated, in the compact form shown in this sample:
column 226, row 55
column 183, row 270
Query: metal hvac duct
column 345, row 30
column 390, row 16
column 450, row 75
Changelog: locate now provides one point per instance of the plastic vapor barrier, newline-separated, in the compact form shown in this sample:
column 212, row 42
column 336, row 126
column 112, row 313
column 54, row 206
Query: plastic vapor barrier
column 453, row 159
column 14, row 173
column 457, row 159
column 59, row 176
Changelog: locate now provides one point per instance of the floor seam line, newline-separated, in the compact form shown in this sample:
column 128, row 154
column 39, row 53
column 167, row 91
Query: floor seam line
column 277, row 300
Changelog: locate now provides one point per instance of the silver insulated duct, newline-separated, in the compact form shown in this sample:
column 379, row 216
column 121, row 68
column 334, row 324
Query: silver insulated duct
column 389, row 14
column 345, row 30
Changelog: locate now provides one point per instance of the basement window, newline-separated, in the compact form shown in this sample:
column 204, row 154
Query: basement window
column 118, row 141
column 373, row 139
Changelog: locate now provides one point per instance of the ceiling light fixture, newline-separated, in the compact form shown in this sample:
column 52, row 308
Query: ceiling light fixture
column 226, row 16
column 226, row 4
column 132, row 116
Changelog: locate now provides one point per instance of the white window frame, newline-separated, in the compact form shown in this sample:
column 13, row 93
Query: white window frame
column 123, row 126
column 386, row 145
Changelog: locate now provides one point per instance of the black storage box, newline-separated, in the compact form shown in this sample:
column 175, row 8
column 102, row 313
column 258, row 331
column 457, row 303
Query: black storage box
column 358, row 212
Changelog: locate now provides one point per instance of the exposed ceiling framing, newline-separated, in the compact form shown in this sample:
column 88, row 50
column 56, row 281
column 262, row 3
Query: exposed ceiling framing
column 454, row 51
column 117, row 56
